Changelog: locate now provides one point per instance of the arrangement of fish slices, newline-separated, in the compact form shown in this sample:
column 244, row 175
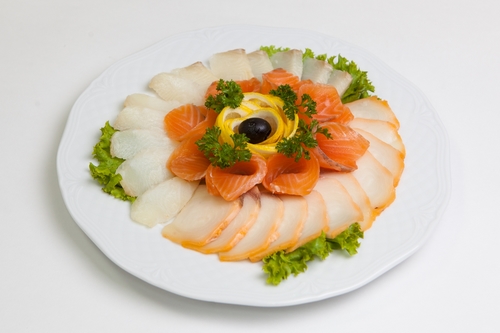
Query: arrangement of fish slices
column 283, row 204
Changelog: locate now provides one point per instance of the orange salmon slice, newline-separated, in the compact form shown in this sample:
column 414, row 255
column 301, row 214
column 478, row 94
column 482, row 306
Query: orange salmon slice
column 232, row 182
column 329, row 106
column 187, row 161
column 187, row 120
column 341, row 152
column 285, row 176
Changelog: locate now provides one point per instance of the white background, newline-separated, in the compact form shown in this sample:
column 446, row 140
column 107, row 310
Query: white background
column 54, row 279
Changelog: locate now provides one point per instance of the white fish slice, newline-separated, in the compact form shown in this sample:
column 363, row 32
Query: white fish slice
column 290, row 61
column 137, row 117
column 318, row 71
column 238, row 227
column 373, row 108
column 231, row 65
column 316, row 221
column 197, row 73
column 388, row 156
column 202, row 219
column 261, row 233
column 260, row 63
column 340, row 80
column 383, row 130
column 126, row 144
column 162, row 202
column 290, row 228
column 151, row 102
column 171, row 87
column 376, row 181
column 357, row 195
column 145, row 170
column 342, row 211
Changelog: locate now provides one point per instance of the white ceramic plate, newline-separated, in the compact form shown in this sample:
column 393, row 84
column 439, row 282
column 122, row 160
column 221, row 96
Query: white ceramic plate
column 397, row 233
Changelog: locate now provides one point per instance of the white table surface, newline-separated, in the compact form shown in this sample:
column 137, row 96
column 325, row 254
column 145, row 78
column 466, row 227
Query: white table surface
column 54, row 279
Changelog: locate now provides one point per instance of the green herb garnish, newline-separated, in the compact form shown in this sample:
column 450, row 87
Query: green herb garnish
column 280, row 265
column 304, row 139
column 105, row 171
column 223, row 155
column 290, row 106
column 271, row 49
column 230, row 94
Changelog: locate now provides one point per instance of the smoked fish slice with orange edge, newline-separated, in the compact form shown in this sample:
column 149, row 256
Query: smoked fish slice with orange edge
column 187, row 120
column 286, row 176
column 262, row 232
column 238, row 227
column 290, row 228
column 329, row 106
column 342, row 150
column 232, row 182
column 202, row 219
column 187, row 161
column 250, row 85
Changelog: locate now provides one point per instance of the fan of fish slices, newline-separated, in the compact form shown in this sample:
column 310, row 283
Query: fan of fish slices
column 258, row 222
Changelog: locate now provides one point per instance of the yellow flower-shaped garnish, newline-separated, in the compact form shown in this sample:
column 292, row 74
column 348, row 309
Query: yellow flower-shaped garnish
column 256, row 105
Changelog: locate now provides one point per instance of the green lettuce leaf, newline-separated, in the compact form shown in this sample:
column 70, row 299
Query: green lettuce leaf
column 360, row 87
column 271, row 49
column 280, row 265
column 105, row 171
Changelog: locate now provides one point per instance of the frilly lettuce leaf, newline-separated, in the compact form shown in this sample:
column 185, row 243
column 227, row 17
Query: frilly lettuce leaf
column 280, row 265
column 105, row 171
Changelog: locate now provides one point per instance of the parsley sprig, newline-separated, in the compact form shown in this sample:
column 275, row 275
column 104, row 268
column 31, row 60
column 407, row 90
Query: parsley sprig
column 305, row 136
column 303, row 140
column 290, row 105
column 223, row 155
column 230, row 94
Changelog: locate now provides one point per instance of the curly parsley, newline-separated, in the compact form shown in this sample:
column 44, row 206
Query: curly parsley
column 303, row 140
column 230, row 94
column 290, row 106
column 223, row 155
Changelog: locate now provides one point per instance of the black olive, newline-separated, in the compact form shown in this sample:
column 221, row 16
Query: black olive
column 256, row 129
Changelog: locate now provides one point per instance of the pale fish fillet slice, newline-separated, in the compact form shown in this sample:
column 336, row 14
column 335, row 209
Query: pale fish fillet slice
column 126, row 144
column 145, row 170
column 318, row 71
column 151, row 102
column 316, row 221
column 238, row 227
column 341, row 209
column 137, row 117
column 171, row 87
column 202, row 219
column 290, row 228
column 161, row 203
column 376, row 181
column 373, row 108
column 198, row 73
column 231, row 65
column 357, row 195
column 388, row 156
column 261, row 233
column 340, row 80
column 259, row 63
column 383, row 130
column 290, row 61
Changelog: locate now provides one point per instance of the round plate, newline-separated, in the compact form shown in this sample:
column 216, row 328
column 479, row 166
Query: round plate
column 396, row 234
